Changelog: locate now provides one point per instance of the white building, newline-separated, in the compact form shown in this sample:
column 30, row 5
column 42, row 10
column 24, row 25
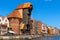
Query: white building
column 4, row 24
column 44, row 29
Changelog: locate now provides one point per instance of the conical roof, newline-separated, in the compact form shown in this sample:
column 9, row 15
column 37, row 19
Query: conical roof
column 15, row 14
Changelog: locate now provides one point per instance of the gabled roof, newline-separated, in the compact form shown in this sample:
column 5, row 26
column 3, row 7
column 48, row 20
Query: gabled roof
column 15, row 14
column 25, row 5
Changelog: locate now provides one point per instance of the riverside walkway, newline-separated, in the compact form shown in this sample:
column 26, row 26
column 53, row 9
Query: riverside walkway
column 21, row 36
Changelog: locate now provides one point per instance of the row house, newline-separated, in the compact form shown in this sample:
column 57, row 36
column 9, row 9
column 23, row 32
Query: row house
column 50, row 30
column 36, row 27
column 55, row 30
column 33, row 29
column 59, row 31
column 39, row 27
column 4, row 24
column 44, row 29
column 20, row 14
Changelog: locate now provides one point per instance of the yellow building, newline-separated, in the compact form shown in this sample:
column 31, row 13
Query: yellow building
column 50, row 31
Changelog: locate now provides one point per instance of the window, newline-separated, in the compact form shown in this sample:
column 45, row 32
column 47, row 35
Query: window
column 26, row 11
column 0, row 20
column 3, row 27
column 5, row 20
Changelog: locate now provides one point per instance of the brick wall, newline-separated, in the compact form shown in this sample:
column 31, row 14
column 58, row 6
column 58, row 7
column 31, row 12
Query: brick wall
column 39, row 27
column 33, row 30
column 14, row 24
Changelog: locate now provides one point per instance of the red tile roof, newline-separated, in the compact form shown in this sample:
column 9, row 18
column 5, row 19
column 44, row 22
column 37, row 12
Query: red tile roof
column 15, row 13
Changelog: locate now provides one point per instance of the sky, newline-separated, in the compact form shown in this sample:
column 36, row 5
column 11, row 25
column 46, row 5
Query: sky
column 46, row 11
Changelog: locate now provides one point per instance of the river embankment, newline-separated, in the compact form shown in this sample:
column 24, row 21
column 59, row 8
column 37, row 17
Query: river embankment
column 22, row 37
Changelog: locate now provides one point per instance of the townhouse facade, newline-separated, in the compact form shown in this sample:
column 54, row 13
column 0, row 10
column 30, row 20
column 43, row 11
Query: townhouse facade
column 33, row 30
column 50, row 30
column 39, row 27
column 4, row 24
column 44, row 29
column 55, row 31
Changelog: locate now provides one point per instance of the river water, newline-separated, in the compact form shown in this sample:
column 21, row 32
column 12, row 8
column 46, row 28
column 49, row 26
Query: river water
column 47, row 38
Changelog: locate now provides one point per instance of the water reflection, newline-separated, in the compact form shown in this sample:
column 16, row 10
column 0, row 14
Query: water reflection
column 47, row 38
